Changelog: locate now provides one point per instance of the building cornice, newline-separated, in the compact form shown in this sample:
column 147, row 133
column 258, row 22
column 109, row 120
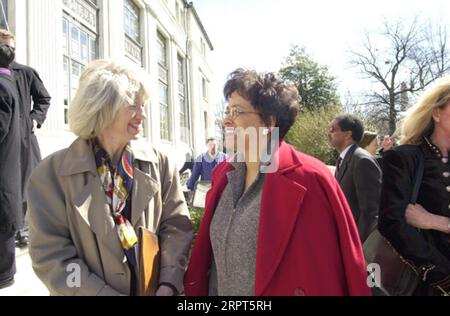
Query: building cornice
column 190, row 5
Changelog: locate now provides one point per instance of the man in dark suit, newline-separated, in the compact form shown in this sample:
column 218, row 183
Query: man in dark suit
column 30, row 88
column 10, row 174
column 357, row 172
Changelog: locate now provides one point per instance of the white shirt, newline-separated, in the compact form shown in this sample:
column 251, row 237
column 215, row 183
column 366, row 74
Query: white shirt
column 344, row 153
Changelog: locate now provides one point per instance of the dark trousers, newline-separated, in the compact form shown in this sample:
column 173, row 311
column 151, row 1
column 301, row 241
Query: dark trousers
column 23, row 230
column 7, row 256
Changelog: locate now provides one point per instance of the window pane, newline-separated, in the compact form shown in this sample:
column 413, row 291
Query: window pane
column 136, row 29
column 163, row 93
column 65, row 37
column 162, row 50
column 80, row 48
column 66, row 65
column 180, row 69
column 93, row 49
column 127, row 21
column 204, row 89
column 184, row 124
column 76, row 69
column 164, row 110
column 75, row 42
column 66, row 83
column 163, row 74
column 181, row 86
column 84, row 48
column 132, row 20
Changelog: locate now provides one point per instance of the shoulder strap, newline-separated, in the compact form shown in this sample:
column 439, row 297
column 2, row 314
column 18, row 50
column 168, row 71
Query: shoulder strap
column 418, row 177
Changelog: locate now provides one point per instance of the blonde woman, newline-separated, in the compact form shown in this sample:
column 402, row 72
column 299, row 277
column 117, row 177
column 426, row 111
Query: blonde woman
column 421, row 232
column 86, row 202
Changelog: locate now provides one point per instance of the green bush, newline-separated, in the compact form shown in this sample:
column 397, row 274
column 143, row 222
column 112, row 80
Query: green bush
column 310, row 133
column 196, row 217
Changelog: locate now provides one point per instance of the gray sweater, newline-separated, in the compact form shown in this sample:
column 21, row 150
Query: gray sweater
column 234, row 236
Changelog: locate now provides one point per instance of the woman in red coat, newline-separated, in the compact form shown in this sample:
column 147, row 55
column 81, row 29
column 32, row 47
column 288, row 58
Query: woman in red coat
column 282, row 228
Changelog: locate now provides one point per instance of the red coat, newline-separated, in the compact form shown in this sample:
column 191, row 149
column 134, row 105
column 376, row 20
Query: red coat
column 308, row 243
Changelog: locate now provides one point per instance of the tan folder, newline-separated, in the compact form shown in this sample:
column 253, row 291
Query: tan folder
column 149, row 259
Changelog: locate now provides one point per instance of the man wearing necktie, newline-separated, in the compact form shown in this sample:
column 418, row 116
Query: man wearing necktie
column 357, row 172
column 338, row 166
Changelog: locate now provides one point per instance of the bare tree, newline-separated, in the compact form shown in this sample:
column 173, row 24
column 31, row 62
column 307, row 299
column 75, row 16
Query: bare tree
column 403, row 59
column 218, row 122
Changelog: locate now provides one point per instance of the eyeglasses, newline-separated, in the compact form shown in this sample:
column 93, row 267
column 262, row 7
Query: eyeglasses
column 234, row 113
column 137, row 109
column 334, row 129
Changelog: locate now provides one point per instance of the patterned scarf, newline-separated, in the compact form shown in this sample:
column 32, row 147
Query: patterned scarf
column 117, row 184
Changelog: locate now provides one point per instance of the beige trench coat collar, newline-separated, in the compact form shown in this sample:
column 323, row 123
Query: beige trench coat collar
column 90, row 201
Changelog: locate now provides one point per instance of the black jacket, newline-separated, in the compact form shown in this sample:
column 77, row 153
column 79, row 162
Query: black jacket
column 30, row 88
column 360, row 180
column 428, row 250
column 10, row 175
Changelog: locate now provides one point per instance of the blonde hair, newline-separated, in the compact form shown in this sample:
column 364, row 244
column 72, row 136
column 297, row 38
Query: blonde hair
column 104, row 88
column 419, row 120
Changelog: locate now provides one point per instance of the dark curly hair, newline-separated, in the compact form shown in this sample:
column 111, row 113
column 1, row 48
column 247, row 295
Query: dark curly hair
column 270, row 96
column 353, row 124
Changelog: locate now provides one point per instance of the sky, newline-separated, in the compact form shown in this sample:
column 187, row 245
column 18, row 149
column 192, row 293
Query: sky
column 258, row 34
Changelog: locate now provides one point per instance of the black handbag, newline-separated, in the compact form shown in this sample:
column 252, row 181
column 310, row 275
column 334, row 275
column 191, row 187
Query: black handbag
column 398, row 276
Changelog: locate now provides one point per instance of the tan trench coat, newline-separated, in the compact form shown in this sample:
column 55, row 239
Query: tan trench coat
column 71, row 227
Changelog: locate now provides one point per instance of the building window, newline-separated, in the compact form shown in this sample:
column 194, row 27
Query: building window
column 180, row 13
column 132, row 25
column 204, row 88
column 184, row 111
column 79, row 49
column 4, row 14
column 84, row 11
column 205, row 117
column 163, row 75
column 132, row 20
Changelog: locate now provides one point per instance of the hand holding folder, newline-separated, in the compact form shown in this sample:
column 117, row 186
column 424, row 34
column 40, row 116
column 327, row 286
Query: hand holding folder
column 149, row 262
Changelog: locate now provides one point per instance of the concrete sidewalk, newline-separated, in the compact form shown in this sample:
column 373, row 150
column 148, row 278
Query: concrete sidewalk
column 26, row 282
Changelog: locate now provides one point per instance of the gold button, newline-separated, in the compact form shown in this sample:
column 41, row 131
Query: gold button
column 448, row 189
column 446, row 174
column 444, row 160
